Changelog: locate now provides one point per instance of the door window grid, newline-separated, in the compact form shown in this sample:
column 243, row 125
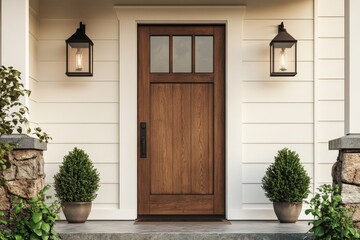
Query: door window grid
column 181, row 54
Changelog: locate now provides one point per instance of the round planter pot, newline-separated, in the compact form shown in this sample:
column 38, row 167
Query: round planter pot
column 76, row 212
column 287, row 212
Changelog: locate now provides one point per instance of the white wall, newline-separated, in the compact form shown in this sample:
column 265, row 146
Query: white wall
column 33, row 48
column 329, row 86
column 80, row 111
column 277, row 112
column 301, row 112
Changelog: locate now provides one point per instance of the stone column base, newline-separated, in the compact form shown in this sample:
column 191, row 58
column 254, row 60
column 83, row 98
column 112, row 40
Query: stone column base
column 25, row 177
column 346, row 172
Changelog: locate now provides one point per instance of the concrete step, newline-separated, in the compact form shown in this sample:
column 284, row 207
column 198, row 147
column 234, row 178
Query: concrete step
column 182, row 236
column 235, row 230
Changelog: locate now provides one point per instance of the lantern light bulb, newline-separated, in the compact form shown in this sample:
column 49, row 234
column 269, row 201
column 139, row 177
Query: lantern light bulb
column 283, row 60
column 78, row 60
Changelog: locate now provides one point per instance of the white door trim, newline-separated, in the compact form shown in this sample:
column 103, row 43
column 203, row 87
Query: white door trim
column 129, row 17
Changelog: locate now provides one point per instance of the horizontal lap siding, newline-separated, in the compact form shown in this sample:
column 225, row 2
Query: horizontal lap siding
column 251, row 153
column 80, row 112
column 330, row 84
column 280, row 112
column 277, row 112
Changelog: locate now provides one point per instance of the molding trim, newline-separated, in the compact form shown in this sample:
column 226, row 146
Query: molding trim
column 129, row 17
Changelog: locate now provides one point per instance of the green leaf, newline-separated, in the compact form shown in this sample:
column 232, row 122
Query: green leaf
column 45, row 227
column 37, row 225
column 33, row 237
column 37, row 232
column 18, row 237
column 337, row 198
column 317, row 222
column 319, row 231
column 37, row 217
column 307, row 211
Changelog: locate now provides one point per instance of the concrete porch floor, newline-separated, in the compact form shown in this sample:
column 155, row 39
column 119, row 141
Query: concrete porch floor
column 127, row 230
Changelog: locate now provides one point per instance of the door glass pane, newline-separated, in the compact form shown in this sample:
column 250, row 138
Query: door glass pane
column 182, row 54
column 204, row 54
column 159, row 54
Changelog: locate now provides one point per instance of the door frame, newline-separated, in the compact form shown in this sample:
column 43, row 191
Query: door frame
column 129, row 17
column 214, row 199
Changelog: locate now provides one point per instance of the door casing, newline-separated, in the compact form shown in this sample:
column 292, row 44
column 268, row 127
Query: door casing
column 144, row 201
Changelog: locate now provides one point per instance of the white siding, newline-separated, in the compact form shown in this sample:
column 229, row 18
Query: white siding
column 33, row 56
column 277, row 112
column 329, row 96
column 301, row 112
column 80, row 111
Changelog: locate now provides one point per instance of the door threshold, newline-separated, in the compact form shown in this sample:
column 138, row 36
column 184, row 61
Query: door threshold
column 181, row 219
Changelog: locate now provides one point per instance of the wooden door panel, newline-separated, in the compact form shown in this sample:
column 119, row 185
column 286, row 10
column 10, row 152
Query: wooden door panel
column 201, row 138
column 181, row 204
column 182, row 133
column 182, row 138
column 161, row 120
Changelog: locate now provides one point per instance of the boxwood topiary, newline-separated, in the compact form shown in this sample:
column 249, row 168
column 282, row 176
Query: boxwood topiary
column 286, row 180
column 77, row 179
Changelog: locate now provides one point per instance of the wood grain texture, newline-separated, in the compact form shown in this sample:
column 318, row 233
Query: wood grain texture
column 143, row 116
column 201, row 156
column 219, row 120
column 181, row 204
column 181, row 78
column 161, row 121
column 182, row 138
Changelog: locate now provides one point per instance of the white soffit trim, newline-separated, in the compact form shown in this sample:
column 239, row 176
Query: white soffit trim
column 129, row 17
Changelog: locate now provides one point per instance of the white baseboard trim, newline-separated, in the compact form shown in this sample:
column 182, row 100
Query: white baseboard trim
column 258, row 214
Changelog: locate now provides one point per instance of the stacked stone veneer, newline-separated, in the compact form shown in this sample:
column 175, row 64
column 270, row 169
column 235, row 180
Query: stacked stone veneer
column 25, row 176
column 346, row 172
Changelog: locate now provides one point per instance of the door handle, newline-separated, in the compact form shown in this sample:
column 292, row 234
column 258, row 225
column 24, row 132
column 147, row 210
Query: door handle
column 142, row 140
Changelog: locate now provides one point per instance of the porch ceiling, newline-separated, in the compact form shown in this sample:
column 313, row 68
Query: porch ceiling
column 179, row 2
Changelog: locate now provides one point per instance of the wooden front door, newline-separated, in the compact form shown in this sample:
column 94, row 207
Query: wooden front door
column 181, row 157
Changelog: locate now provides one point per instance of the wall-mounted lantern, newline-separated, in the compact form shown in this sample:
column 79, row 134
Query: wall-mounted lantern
column 283, row 54
column 79, row 54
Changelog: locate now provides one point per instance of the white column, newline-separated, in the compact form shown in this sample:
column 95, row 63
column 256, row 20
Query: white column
column 15, row 37
column 352, row 67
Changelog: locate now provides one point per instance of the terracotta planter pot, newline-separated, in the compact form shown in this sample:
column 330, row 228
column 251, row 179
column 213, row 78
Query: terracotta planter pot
column 287, row 212
column 76, row 212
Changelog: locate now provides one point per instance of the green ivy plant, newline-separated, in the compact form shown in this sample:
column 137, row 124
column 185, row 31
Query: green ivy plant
column 286, row 180
column 77, row 179
column 31, row 220
column 13, row 113
column 332, row 219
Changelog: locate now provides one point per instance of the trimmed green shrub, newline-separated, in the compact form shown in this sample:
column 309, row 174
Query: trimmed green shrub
column 286, row 180
column 77, row 179
column 332, row 218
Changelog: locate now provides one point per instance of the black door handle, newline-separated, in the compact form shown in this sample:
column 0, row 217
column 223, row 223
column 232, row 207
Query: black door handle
column 142, row 140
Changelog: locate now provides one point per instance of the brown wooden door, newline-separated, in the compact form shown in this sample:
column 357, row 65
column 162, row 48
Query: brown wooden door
column 181, row 101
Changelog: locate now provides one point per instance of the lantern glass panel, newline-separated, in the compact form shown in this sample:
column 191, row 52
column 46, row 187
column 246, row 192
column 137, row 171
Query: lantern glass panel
column 79, row 60
column 284, row 57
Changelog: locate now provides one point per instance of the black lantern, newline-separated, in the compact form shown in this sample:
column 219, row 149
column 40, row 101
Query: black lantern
column 283, row 54
column 79, row 54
